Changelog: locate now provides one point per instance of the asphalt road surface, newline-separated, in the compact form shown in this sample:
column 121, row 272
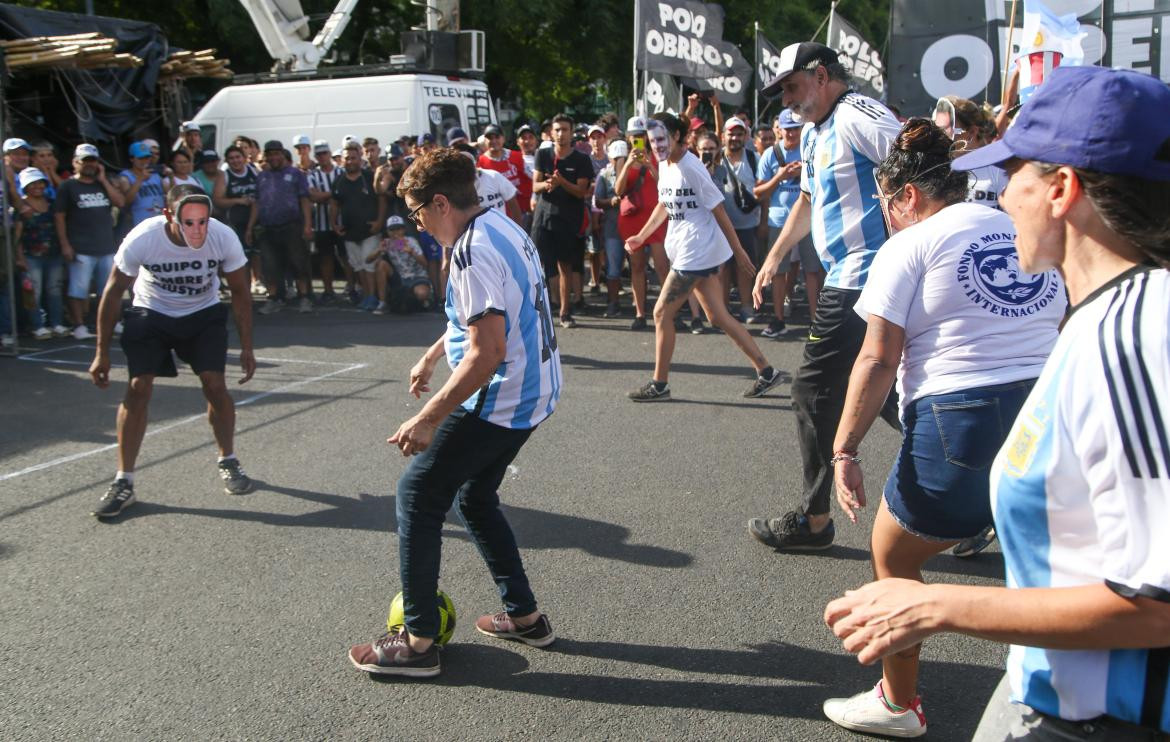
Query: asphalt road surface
column 197, row 615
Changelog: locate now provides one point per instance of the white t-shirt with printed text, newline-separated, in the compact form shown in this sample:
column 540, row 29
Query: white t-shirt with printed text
column 694, row 240
column 972, row 316
column 177, row 280
column 493, row 189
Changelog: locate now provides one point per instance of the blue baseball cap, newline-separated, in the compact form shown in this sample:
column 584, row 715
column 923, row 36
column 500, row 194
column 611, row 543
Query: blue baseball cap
column 139, row 149
column 787, row 120
column 454, row 134
column 1096, row 118
column 427, row 138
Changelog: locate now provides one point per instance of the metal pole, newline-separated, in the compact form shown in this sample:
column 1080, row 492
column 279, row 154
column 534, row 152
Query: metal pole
column 8, row 257
column 756, row 85
column 637, row 30
column 829, row 28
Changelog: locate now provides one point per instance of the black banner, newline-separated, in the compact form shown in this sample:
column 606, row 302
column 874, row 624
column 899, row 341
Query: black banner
column 957, row 47
column 682, row 37
column 858, row 56
column 661, row 93
column 767, row 62
column 730, row 88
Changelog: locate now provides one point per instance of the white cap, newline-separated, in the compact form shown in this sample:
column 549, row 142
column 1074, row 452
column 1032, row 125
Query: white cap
column 30, row 175
column 152, row 143
column 320, row 146
column 302, row 140
column 617, row 148
column 16, row 143
column 734, row 122
column 395, row 221
column 339, row 153
column 636, row 123
column 189, row 126
column 83, row 151
column 350, row 138
column 594, row 129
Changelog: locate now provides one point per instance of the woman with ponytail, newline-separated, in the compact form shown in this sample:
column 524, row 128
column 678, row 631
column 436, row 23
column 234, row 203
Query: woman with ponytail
column 965, row 332
column 1081, row 487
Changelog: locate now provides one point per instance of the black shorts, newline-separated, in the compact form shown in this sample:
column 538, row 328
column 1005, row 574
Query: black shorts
column 559, row 246
column 199, row 339
column 327, row 246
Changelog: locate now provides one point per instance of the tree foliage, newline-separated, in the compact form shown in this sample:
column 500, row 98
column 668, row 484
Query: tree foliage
column 544, row 55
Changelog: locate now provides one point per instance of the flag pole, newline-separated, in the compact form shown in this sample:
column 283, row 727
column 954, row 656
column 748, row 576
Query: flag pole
column 756, row 86
column 1007, row 67
column 829, row 27
column 637, row 21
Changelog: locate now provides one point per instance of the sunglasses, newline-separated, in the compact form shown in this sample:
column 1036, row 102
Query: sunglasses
column 413, row 215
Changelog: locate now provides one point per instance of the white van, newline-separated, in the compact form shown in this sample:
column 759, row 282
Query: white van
column 383, row 106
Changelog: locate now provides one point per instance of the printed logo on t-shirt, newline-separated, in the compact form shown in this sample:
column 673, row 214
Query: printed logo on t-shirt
column 979, row 196
column 186, row 277
column 678, row 201
column 93, row 201
column 989, row 274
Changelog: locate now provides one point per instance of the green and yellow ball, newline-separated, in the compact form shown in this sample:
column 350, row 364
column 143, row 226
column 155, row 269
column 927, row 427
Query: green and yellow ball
column 397, row 618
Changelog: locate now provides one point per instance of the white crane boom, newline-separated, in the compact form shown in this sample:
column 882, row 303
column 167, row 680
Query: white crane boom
column 284, row 29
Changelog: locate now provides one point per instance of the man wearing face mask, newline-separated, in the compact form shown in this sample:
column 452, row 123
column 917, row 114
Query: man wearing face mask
column 845, row 137
column 174, row 262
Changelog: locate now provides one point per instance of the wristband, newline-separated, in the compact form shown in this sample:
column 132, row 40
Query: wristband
column 850, row 456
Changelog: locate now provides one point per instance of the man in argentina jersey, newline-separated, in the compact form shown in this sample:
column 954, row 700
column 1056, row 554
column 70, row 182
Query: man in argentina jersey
column 1080, row 489
column 505, row 380
column 845, row 137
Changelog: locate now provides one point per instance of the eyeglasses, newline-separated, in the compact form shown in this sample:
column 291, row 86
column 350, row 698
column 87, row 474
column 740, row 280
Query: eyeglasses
column 413, row 215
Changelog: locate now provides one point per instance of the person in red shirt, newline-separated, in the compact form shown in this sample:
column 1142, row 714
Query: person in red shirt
column 510, row 164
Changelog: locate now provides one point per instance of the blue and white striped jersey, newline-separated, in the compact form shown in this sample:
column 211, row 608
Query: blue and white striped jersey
column 840, row 155
column 1081, row 494
column 495, row 270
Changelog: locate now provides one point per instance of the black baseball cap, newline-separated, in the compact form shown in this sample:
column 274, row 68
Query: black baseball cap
column 273, row 144
column 491, row 129
column 806, row 55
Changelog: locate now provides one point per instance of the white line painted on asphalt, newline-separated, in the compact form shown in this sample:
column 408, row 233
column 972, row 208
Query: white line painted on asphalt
column 36, row 358
column 169, row 426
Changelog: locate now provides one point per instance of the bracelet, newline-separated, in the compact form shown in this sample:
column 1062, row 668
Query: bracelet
column 843, row 456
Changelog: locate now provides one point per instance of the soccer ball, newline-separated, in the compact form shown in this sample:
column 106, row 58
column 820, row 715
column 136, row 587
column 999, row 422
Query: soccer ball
column 397, row 618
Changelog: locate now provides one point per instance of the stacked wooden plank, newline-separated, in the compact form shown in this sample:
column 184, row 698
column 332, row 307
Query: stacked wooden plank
column 84, row 51
column 200, row 63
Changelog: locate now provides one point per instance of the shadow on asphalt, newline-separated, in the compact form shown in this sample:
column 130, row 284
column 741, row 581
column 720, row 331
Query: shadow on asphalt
column 647, row 365
column 815, row 676
column 534, row 529
column 988, row 564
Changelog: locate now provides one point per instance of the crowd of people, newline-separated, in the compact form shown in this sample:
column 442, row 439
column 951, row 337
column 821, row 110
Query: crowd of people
column 992, row 284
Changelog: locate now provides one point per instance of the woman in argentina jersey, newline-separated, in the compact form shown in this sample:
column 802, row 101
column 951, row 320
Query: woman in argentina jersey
column 1081, row 488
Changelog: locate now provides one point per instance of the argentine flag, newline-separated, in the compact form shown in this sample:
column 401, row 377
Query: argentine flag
column 1048, row 40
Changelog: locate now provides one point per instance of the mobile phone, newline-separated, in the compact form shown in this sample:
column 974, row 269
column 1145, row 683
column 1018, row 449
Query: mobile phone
column 640, row 143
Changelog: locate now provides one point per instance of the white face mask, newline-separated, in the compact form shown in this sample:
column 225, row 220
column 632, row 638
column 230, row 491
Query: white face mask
column 195, row 234
column 659, row 140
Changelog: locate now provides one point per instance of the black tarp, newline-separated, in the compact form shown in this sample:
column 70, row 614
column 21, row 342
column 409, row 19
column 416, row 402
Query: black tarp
column 107, row 101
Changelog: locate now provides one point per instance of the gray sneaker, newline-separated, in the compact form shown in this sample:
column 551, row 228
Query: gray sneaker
column 650, row 393
column 272, row 306
column 763, row 384
column 305, row 306
column 235, row 481
column 969, row 547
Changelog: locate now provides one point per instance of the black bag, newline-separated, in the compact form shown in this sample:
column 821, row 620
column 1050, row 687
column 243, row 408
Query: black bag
column 744, row 199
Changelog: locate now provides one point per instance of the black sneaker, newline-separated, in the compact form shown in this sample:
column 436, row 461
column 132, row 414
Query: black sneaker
column 791, row 532
column 776, row 328
column 235, row 481
column 612, row 310
column 580, row 306
column 650, row 393
column 969, row 547
column 639, row 323
column 501, row 626
column 568, row 322
column 763, row 384
column 118, row 497
column 697, row 326
column 680, row 324
column 391, row 654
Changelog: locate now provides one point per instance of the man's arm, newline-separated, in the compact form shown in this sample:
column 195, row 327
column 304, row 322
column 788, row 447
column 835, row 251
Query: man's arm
column 253, row 214
column 577, row 189
column 239, row 283
column 796, row 227
column 742, row 261
column 108, row 309
column 113, row 193
column 487, row 349
column 63, row 235
column 306, row 217
column 513, row 210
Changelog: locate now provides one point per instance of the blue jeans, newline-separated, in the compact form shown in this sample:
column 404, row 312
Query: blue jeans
column 47, row 274
column 468, row 458
column 87, row 271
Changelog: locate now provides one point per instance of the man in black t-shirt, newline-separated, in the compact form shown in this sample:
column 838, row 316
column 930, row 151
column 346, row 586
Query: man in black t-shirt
column 561, row 181
column 84, row 219
column 358, row 213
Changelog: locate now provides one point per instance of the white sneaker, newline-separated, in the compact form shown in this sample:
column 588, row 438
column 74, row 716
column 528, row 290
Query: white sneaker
column 305, row 305
column 81, row 332
column 867, row 712
column 7, row 341
column 61, row 331
column 42, row 333
column 381, row 308
column 117, row 329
